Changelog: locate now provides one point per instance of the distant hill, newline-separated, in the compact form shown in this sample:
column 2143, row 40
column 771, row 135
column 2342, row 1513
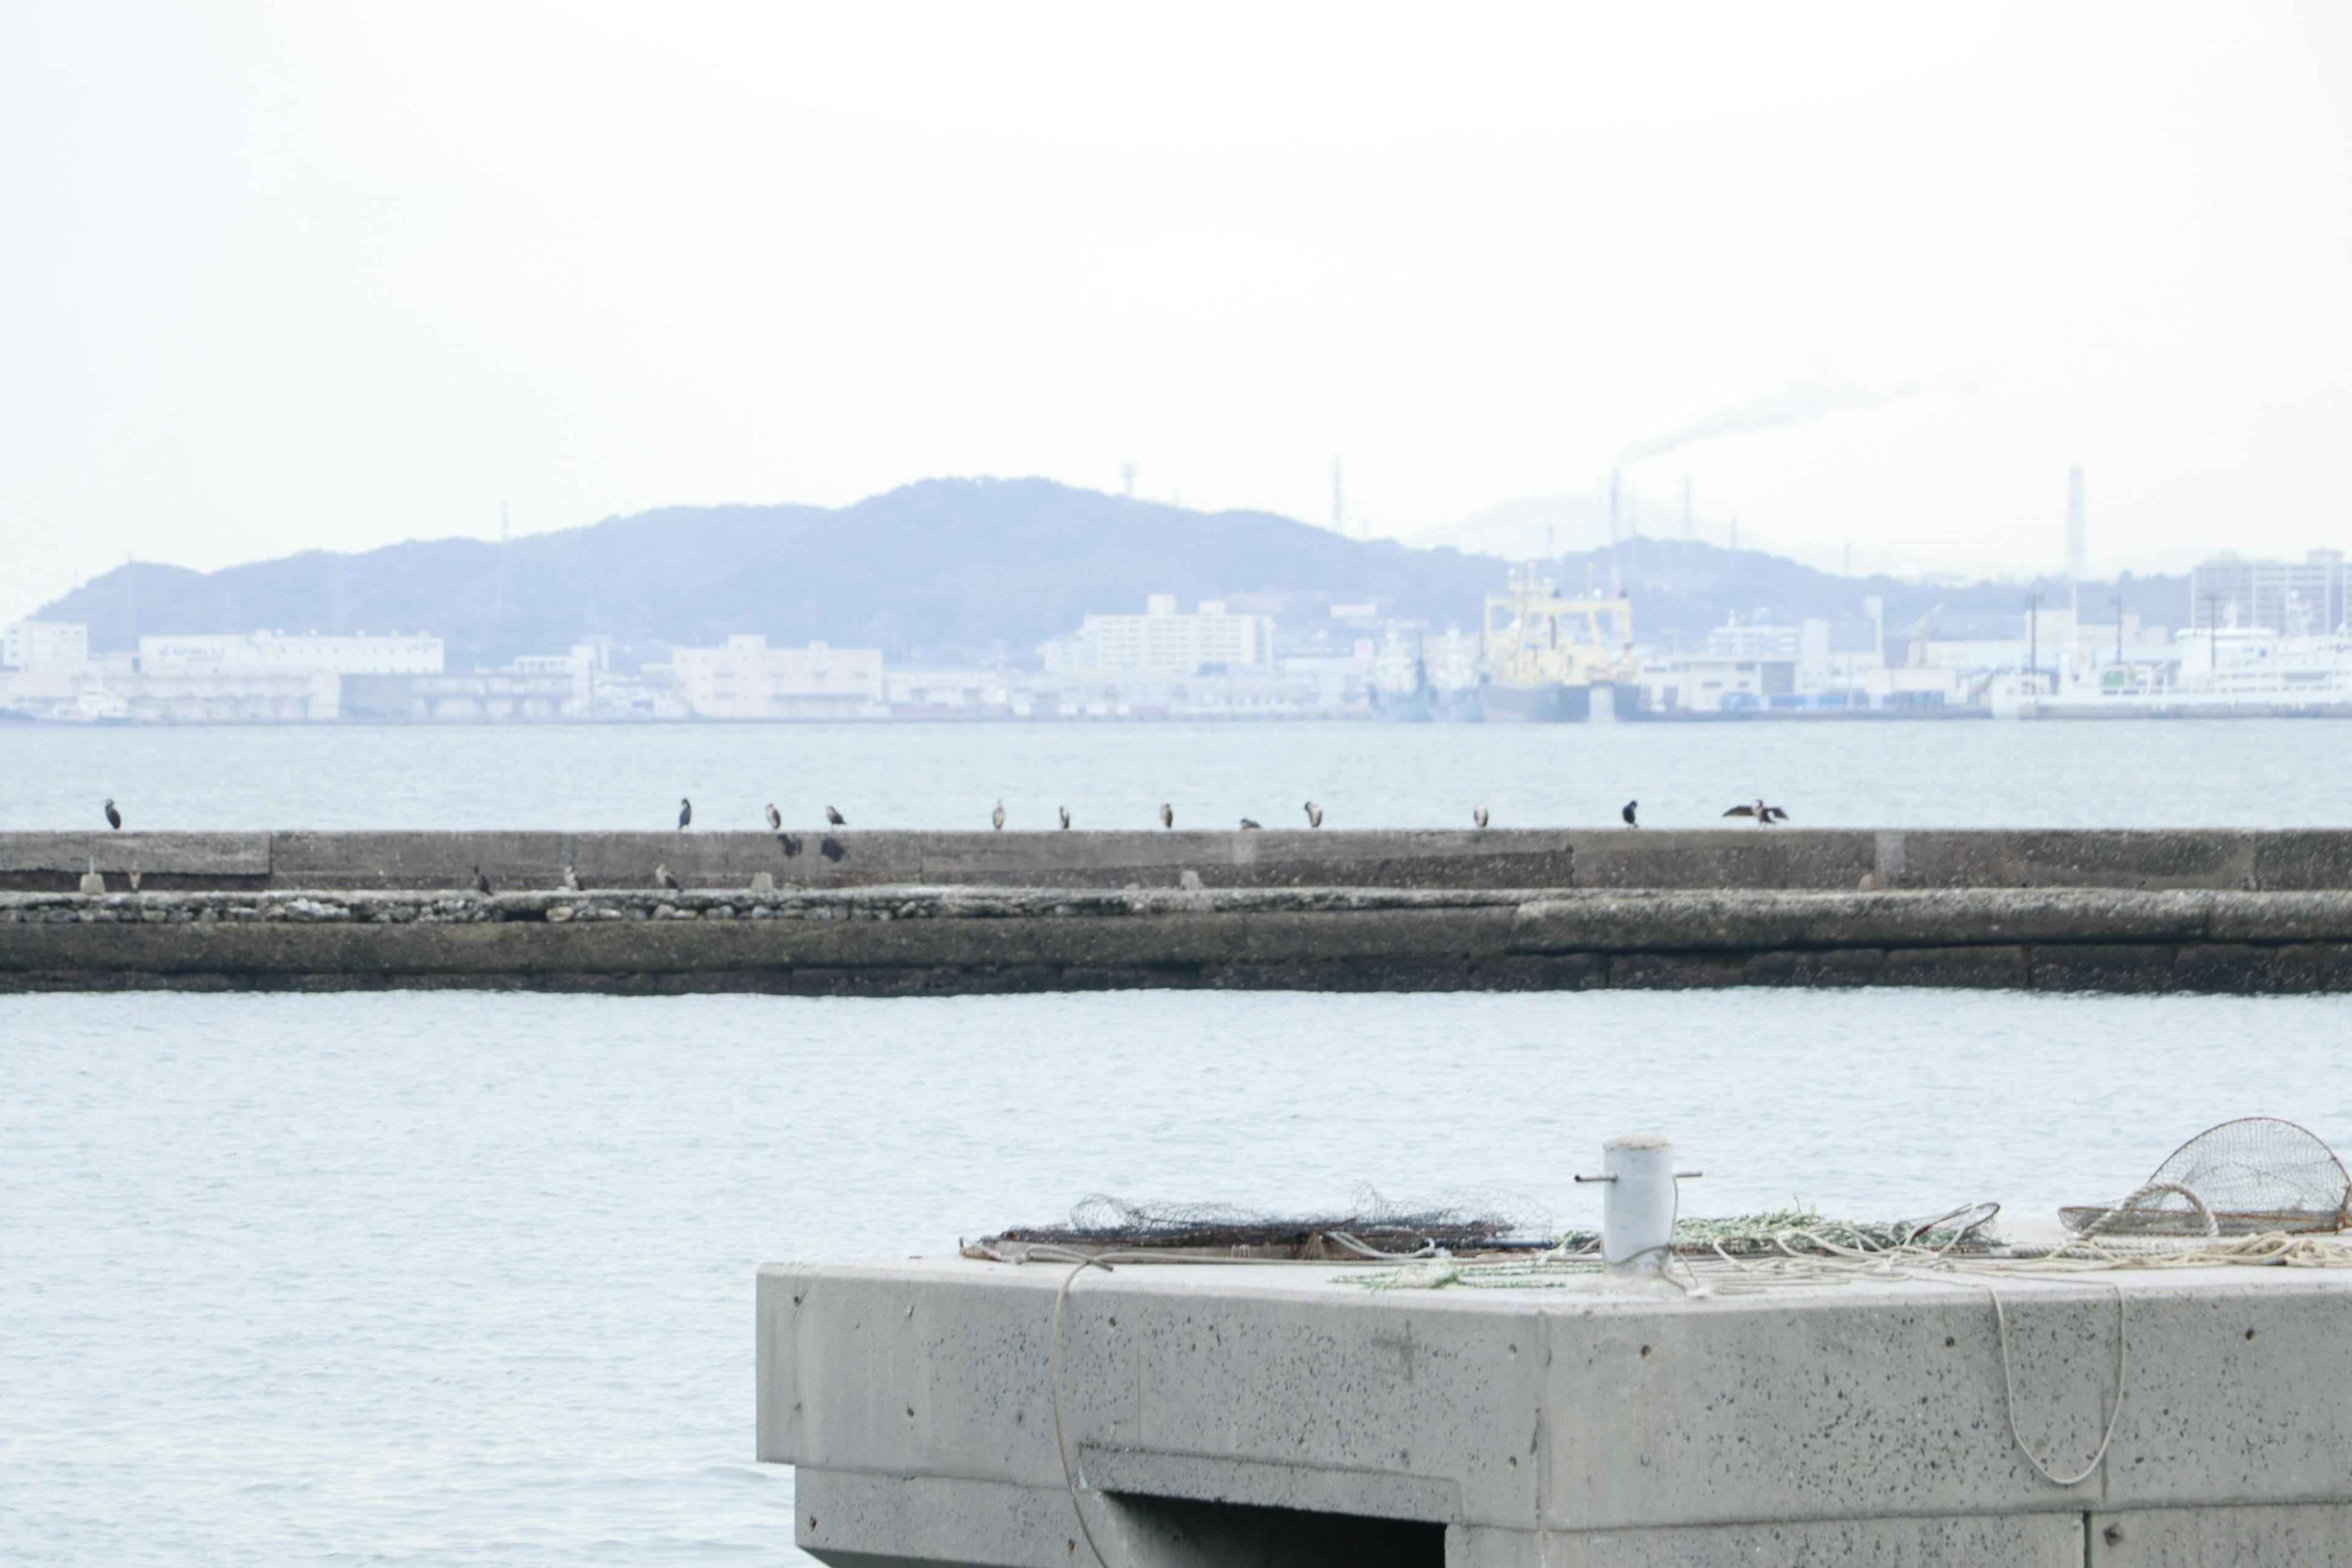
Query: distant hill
column 1531, row 526
column 937, row 570
column 1683, row 587
column 944, row 570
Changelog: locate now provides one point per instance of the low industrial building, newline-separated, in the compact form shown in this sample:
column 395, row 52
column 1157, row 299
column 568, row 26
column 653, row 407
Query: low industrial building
column 746, row 678
column 359, row 654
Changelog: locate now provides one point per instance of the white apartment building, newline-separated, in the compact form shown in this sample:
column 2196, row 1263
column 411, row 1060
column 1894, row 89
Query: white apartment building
column 1213, row 638
column 1754, row 640
column 746, row 678
column 44, row 645
column 2294, row 598
column 356, row 654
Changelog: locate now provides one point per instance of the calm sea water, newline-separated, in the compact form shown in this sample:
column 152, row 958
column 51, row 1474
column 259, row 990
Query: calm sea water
column 469, row 1279
column 1956, row 774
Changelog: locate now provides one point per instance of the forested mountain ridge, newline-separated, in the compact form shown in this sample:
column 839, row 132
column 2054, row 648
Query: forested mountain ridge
column 948, row 569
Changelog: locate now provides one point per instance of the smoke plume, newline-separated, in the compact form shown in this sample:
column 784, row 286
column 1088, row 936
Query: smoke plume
column 1819, row 390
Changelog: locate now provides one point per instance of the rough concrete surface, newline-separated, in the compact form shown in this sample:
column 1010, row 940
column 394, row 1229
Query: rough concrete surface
column 1213, row 1413
column 1746, row 858
column 947, row 940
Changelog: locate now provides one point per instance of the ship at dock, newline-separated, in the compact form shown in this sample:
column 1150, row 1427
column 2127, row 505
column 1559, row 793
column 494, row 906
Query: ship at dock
column 1553, row 660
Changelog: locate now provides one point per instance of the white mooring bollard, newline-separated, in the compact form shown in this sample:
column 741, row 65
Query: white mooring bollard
column 1637, row 1212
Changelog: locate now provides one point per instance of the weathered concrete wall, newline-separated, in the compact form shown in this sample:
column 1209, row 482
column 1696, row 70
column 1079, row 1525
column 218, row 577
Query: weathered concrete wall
column 53, row 862
column 1528, row 857
column 1581, row 1427
column 905, row 941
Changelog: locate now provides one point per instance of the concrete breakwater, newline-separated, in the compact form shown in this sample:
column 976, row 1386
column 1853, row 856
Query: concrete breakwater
column 1778, row 858
column 938, row 939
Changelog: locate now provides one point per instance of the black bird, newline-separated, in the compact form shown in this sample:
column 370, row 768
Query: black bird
column 1314, row 814
column 113, row 817
column 662, row 879
column 996, row 817
column 1248, row 826
column 684, row 814
column 1765, row 816
column 775, row 818
column 1628, row 814
column 1066, row 819
column 1478, row 815
column 835, row 817
column 1167, row 815
column 481, row 883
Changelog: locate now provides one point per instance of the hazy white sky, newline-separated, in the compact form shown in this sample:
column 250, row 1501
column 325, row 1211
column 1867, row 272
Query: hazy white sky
column 277, row 276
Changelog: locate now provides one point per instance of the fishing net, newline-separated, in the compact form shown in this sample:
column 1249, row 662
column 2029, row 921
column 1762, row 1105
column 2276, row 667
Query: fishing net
column 1371, row 1227
column 1374, row 1228
column 2246, row 1177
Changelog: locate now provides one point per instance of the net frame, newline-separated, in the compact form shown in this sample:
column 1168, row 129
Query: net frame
column 2255, row 1174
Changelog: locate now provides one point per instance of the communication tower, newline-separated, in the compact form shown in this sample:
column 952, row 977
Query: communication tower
column 2078, row 527
column 503, row 594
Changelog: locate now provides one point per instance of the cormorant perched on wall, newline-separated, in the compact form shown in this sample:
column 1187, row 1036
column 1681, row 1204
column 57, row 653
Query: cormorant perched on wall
column 1247, row 826
column 1066, row 819
column 775, row 818
column 1167, row 815
column 1765, row 816
column 113, row 817
column 996, row 817
column 570, row 883
column 1314, row 814
column 835, row 817
column 481, row 883
column 1628, row 814
column 662, row 879
column 684, row 813
column 1478, row 815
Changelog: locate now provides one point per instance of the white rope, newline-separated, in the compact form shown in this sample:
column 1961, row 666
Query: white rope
column 1079, row 1263
column 2115, row 1412
column 1061, row 1443
column 2204, row 1210
column 1374, row 1254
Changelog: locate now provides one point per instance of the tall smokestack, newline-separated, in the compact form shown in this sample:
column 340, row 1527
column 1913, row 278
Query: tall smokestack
column 1614, row 581
column 2078, row 527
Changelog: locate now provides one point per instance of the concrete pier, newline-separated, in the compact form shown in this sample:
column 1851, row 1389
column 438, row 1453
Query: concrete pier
column 1274, row 1415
